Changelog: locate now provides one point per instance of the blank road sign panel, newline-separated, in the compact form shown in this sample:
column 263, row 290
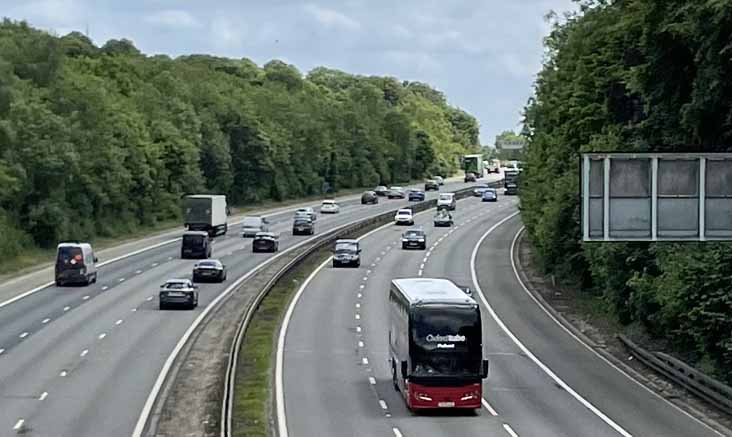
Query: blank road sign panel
column 656, row 196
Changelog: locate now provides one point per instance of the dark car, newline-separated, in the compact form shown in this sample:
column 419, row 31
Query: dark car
column 303, row 226
column 195, row 244
column 178, row 292
column 396, row 193
column 469, row 177
column 266, row 242
column 431, row 185
column 251, row 225
column 369, row 197
column 490, row 195
column 478, row 191
column 347, row 253
column 414, row 239
column 416, row 196
column 443, row 218
column 381, row 191
column 209, row 270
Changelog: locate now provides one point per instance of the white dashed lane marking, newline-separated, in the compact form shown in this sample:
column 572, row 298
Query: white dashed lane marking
column 365, row 361
column 360, row 344
column 118, row 322
column 102, row 335
column 372, row 380
column 63, row 373
column 2, row 351
column 137, row 272
column 383, row 404
column 358, row 317
column 85, row 297
column 397, row 433
column 121, row 280
column 509, row 430
column 84, row 352
column 43, row 396
column 105, row 288
column 44, row 321
column 23, row 335
column 18, row 425
column 66, row 308
column 358, row 329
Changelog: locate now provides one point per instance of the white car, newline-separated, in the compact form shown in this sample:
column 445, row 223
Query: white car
column 329, row 207
column 404, row 217
column 446, row 200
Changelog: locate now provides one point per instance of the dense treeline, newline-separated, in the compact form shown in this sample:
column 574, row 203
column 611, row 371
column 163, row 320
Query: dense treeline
column 101, row 140
column 635, row 75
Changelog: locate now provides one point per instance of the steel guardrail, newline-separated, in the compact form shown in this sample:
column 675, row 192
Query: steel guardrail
column 325, row 239
column 705, row 387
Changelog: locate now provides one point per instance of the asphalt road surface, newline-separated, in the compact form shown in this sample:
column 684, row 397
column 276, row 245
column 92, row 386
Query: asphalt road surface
column 81, row 361
column 336, row 379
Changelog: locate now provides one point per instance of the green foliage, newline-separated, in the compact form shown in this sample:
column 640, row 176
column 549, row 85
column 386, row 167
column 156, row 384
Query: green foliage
column 99, row 141
column 635, row 75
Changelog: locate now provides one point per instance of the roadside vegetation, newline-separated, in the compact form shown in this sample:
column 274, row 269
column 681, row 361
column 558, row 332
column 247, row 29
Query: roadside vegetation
column 102, row 142
column 635, row 75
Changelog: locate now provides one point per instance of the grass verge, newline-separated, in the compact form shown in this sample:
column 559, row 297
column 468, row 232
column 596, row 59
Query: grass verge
column 253, row 392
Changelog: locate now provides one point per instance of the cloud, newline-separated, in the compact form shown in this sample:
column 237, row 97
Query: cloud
column 332, row 18
column 174, row 19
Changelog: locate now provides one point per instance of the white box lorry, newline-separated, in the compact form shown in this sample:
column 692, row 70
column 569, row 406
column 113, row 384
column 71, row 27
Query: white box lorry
column 206, row 212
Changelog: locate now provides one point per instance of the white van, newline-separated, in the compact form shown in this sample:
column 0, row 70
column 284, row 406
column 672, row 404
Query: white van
column 75, row 264
column 446, row 200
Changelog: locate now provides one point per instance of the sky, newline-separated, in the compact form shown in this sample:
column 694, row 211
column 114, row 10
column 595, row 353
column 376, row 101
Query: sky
column 483, row 54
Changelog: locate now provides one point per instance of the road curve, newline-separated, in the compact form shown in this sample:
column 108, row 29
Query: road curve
column 336, row 380
column 82, row 361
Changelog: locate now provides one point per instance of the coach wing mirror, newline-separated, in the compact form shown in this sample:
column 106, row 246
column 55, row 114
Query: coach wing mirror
column 404, row 369
column 484, row 369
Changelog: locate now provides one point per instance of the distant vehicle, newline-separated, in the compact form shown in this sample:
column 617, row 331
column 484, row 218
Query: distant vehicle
column 303, row 226
column 209, row 270
column 439, row 180
column 469, row 177
column 309, row 211
column 478, row 191
column 204, row 212
column 404, row 217
column 195, row 244
column 416, row 196
column 473, row 164
column 347, row 253
column 510, row 181
column 251, row 225
column 447, row 200
column 494, row 166
column 178, row 292
column 266, row 242
column 381, row 191
column 431, row 184
column 442, row 218
column 396, row 193
column 435, row 344
column 414, row 238
column 369, row 197
column 329, row 207
column 75, row 264
column 490, row 195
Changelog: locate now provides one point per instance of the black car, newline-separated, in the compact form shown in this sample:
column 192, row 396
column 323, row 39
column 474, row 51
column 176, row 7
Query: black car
column 195, row 244
column 369, row 197
column 431, row 185
column 347, row 253
column 178, row 292
column 416, row 196
column 266, row 242
column 381, row 191
column 209, row 270
column 396, row 193
column 302, row 225
column 469, row 177
column 443, row 218
column 414, row 239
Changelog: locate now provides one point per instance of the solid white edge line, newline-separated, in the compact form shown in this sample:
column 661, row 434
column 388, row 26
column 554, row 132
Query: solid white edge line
column 397, row 433
column 588, row 347
column 529, row 354
column 509, row 430
column 279, row 360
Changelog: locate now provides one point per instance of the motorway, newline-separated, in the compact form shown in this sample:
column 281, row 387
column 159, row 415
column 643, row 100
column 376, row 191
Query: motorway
column 335, row 380
column 81, row 361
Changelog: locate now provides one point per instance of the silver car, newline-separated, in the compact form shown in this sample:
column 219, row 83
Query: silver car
column 251, row 225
